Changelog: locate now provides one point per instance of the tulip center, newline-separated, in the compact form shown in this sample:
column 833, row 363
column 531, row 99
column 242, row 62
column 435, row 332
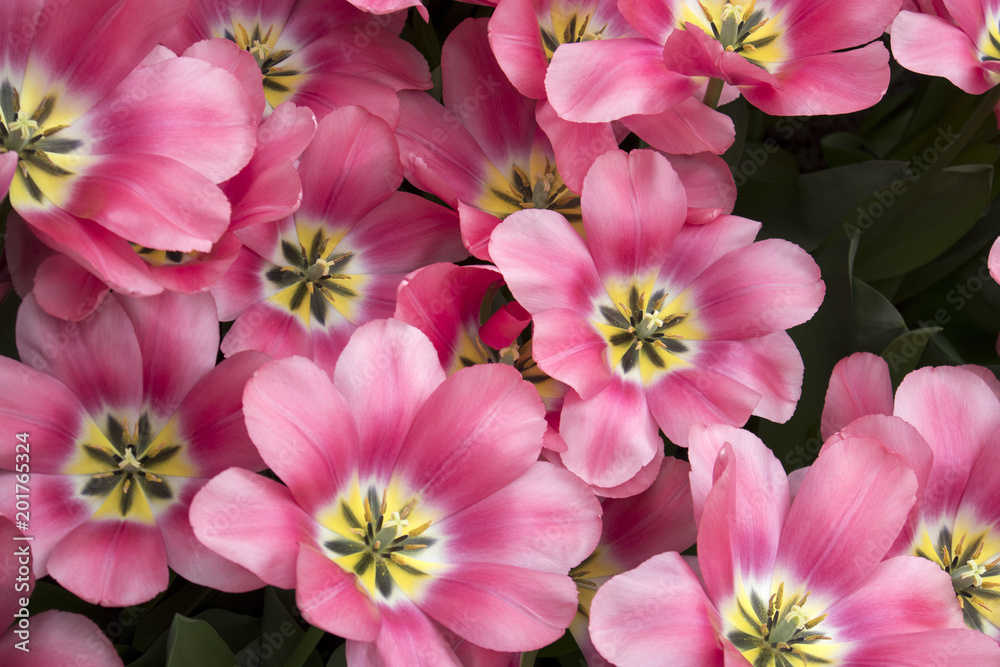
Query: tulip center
column 975, row 573
column 569, row 29
column 989, row 41
column 544, row 189
column 741, row 28
column 379, row 543
column 313, row 281
column 648, row 334
column 128, row 468
column 774, row 633
column 260, row 44
column 33, row 137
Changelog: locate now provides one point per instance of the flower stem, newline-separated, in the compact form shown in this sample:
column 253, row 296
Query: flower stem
column 713, row 92
column 305, row 647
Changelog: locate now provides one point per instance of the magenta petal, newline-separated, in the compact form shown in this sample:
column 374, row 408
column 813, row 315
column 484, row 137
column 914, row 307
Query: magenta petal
column 57, row 637
column 351, row 166
column 604, row 80
column 657, row 520
column 75, row 354
column 633, row 207
column 303, row 428
column 41, row 406
column 504, row 326
column 151, row 200
column 760, row 289
column 576, row 145
column 521, row 247
column 854, row 482
column 658, row 609
column 610, row 436
column 197, row 562
column 501, row 607
column 227, row 55
column 708, row 183
column 331, row 598
column 184, row 109
column 546, row 520
column 515, row 41
column 699, row 246
column 174, row 357
column 241, row 286
column 959, row 416
column 480, row 429
column 64, row 35
column 270, row 329
column 386, row 373
column 930, row 45
column 66, row 290
column 8, row 165
column 228, row 512
column 90, row 560
column 859, row 385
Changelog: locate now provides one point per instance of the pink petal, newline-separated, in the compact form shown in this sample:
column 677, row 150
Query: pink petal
column 56, row 638
column 994, row 260
column 854, row 482
column 303, row 428
column 545, row 520
column 604, row 80
column 477, row 226
column 609, row 436
column 270, row 329
column 699, row 246
column 921, row 595
column 685, row 128
column 8, row 165
column 689, row 396
column 440, row 299
column 501, row 607
column 351, row 166
column 174, row 358
column 658, row 609
column 637, row 484
column 568, row 347
column 326, row 91
column 406, row 637
column 708, row 183
column 382, row 58
column 202, row 271
column 90, row 560
column 15, row 568
column 760, row 289
column 521, row 248
column 859, row 385
column 770, row 365
column 853, row 23
column 828, row 83
column 386, row 373
column 576, row 145
column 242, row 285
column 75, row 354
column 185, row 109
column 933, row 647
column 331, row 598
column 958, row 415
column 505, row 325
column 210, row 418
column 476, row 90
column 514, row 39
column 41, row 406
column 227, row 514
column 63, row 38
column 654, row 19
column 930, row 45
column 17, row 28
column 226, row 55
column 694, row 53
column 66, row 290
column 657, row 520
column 151, row 200
column 195, row 561
column 481, row 429
column 404, row 233
column 633, row 207
column 24, row 252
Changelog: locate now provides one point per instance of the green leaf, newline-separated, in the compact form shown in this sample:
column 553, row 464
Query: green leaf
column 876, row 321
column 281, row 633
column 237, row 630
column 831, row 197
column 901, row 236
column 161, row 617
column 193, row 642
column 843, row 148
column 903, row 354
column 339, row 657
column 767, row 178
